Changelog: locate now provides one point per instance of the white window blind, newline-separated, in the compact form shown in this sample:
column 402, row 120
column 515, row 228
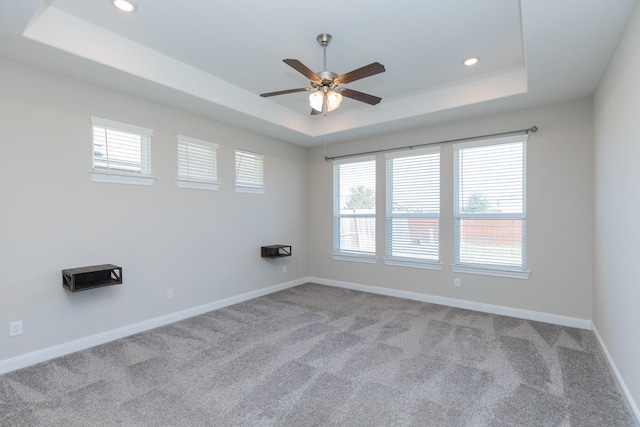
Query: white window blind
column 355, row 207
column 249, row 172
column 490, row 204
column 121, row 148
column 413, row 205
column 197, row 163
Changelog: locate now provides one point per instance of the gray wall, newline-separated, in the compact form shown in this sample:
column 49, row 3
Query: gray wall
column 203, row 244
column 559, row 199
column 617, row 206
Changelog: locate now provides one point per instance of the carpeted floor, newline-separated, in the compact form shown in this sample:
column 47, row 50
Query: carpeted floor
column 321, row 356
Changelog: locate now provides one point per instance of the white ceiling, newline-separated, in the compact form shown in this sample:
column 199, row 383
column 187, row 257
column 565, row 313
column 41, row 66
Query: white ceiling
column 215, row 58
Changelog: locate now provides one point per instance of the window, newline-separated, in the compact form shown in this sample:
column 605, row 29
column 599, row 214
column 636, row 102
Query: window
column 355, row 209
column 413, row 208
column 197, row 167
column 121, row 152
column 489, row 206
column 249, row 172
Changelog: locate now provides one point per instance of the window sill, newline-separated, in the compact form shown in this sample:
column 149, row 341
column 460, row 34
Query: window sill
column 514, row 274
column 197, row 185
column 121, row 179
column 413, row 264
column 254, row 190
column 367, row 259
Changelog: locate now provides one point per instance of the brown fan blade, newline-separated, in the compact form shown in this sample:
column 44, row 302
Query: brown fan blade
column 283, row 92
column 361, row 96
column 361, row 73
column 302, row 69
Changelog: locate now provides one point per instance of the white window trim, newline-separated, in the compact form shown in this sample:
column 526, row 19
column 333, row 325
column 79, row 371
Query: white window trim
column 354, row 257
column 112, row 124
column 497, row 272
column 494, row 270
column 115, row 177
column 192, row 183
column 197, row 185
column 249, row 189
column 413, row 263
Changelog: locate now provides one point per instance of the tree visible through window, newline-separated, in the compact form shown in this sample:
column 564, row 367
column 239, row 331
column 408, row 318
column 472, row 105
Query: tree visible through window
column 354, row 208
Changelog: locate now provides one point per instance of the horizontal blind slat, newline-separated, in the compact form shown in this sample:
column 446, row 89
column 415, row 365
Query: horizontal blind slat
column 197, row 160
column 490, row 222
column 413, row 207
column 355, row 207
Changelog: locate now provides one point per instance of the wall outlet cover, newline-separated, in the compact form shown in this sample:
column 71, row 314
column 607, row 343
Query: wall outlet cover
column 15, row 328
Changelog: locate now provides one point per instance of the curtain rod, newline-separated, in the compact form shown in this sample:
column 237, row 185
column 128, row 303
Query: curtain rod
column 532, row 129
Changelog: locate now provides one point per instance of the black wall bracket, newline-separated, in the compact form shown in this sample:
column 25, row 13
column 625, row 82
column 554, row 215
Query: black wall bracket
column 276, row 251
column 95, row 276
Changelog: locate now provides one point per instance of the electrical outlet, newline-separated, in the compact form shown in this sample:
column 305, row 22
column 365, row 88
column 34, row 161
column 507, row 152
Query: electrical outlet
column 284, row 268
column 15, row 328
column 170, row 293
column 456, row 282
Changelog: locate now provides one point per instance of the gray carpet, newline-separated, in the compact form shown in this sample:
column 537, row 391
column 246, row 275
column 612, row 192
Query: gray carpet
column 321, row 356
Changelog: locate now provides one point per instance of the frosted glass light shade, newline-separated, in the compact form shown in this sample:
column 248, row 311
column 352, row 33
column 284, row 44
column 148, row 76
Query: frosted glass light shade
column 315, row 100
column 333, row 100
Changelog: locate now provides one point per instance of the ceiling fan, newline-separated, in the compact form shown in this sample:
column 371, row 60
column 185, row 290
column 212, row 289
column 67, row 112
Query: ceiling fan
column 326, row 86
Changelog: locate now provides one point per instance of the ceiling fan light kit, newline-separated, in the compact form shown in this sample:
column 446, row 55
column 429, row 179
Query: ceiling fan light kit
column 319, row 99
column 326, row 86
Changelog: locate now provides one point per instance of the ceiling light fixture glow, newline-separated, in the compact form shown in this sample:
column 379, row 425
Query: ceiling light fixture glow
column 124, row 5
column 471, row 61
column 333, row 100
column 318, row 99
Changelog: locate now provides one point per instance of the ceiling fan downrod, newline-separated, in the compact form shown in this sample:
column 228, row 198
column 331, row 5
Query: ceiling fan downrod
column 324, row 39
column 327, row 77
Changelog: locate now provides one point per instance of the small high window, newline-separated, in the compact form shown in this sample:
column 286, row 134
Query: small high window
column 249, row 172
column 197, row 164
column 121, row 152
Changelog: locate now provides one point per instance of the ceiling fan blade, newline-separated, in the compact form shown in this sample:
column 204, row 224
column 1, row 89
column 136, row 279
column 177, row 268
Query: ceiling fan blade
column 302, row 69
column 361, row 96
column 361, row 73
column 283, row 92
column 315, row 112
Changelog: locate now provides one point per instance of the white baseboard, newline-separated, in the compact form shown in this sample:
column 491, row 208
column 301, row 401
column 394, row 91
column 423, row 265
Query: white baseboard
column 556, row 319
column 59, row 350
column 630, row 402
column 49, row 353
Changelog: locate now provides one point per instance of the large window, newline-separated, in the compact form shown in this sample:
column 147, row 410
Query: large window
column 249, row 172
column 197, row 163
column 413, row 207
column 489, row 204
column 121, row 149
column 355, row 208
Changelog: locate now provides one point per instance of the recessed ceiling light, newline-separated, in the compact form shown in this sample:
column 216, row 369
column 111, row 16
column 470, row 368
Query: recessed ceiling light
column 471, row 61
column 124, row 5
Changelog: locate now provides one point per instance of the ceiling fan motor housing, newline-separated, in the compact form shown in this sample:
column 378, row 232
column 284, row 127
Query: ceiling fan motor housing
column 327, row 78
